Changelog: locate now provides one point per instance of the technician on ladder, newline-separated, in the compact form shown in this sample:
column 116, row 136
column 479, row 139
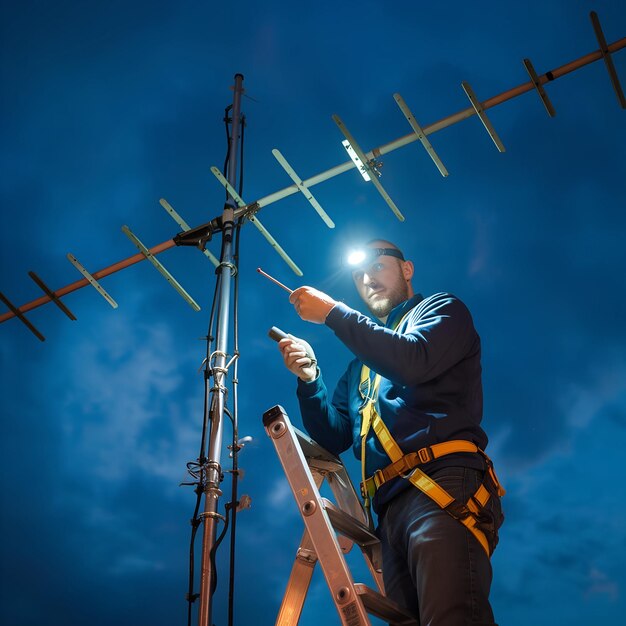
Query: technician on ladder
column 410, row 404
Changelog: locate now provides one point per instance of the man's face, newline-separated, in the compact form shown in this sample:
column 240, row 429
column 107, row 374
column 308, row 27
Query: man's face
column 382, row 285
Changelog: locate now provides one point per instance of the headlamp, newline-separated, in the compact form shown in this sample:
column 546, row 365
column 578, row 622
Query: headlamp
column 366, row 256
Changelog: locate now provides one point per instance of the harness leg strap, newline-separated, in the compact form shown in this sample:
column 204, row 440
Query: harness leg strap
column 464, row 513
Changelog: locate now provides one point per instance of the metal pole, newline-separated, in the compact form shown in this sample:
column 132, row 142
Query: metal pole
column 213, row 472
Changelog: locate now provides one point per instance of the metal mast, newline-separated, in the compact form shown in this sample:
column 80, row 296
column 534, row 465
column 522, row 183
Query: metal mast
column 218, row 365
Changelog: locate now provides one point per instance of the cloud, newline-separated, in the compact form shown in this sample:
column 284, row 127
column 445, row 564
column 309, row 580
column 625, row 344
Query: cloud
column 563, row 526
column 280, row 493
column 584, row 403
column 124, row 411
column 134, row 564
column 601, row 584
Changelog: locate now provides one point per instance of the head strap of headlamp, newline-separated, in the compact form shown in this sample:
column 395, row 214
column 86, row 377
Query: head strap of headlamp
column 376, row 252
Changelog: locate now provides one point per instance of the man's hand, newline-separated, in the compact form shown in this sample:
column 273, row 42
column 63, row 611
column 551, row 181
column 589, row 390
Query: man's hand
column 312, row 305
column 299, row 358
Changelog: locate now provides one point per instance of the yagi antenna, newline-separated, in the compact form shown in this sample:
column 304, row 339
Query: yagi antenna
column 608, row 61
column 420, row 133
column 183, row 224
column 52, row 295
column 159, row 266
column 303, row 188
column 17, row 313
column 480, row 111
column 92, row 281
column 255, row 220
column 367, row 162
column 539, row 87
column 372, row 167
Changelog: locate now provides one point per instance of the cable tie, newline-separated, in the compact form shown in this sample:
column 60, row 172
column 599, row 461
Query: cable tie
column 212, row 515
column 228, row 264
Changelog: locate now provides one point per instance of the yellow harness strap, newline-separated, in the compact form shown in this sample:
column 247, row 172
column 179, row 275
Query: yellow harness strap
column 402, row 464
column 367, row 413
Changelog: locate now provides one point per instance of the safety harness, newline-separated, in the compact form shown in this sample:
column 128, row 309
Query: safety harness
column 471, row 514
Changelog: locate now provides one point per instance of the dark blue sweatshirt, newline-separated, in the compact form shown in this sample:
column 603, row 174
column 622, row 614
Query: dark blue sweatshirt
column 430, row 391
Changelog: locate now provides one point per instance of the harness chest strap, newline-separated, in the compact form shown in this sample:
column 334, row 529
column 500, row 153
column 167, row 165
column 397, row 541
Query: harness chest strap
column 403, row 463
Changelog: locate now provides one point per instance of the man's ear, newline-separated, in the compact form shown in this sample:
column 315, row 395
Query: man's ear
column 407, row 269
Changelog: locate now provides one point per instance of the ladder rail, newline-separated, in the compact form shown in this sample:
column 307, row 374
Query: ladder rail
column 330, row 531
column 338, row 577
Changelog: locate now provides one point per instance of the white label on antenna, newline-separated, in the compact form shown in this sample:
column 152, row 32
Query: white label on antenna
column 355, row 158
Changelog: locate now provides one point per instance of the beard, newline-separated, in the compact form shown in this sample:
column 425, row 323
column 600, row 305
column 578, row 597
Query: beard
column 381, row 306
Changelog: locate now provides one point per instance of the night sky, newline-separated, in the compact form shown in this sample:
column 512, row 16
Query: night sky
column 108, row 107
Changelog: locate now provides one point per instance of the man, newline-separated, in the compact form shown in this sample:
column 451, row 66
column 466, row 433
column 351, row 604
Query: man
column 427, row 395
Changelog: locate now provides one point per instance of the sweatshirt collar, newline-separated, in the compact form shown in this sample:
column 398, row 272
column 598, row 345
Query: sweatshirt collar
column 397, row 312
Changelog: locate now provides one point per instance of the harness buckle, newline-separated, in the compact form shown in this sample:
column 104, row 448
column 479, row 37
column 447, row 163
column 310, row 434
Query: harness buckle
column 403, row 467
column 425, row 455
column 368, row 488
column 378, row 478
column 459, row 511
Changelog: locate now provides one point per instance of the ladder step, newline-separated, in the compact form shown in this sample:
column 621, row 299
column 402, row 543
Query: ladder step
column 317, row 456
column 349, row 526
column 384, row 608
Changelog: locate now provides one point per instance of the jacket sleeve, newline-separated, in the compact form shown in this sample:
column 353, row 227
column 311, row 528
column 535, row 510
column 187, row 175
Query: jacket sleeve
column 327, row 422
column 439, row 333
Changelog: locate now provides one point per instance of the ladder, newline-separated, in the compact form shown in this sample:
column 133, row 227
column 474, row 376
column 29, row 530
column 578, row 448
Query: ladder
column 331, row 529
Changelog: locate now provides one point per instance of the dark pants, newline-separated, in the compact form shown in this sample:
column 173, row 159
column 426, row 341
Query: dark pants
column 431, row 563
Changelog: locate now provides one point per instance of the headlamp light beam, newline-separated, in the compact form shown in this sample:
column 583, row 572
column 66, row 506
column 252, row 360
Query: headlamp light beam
column 356, row 257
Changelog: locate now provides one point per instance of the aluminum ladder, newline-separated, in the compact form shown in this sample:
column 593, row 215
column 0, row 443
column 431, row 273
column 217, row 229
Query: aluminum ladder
column 331, row 529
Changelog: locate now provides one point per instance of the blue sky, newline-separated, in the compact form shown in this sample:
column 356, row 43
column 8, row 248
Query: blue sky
column 107, row 107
